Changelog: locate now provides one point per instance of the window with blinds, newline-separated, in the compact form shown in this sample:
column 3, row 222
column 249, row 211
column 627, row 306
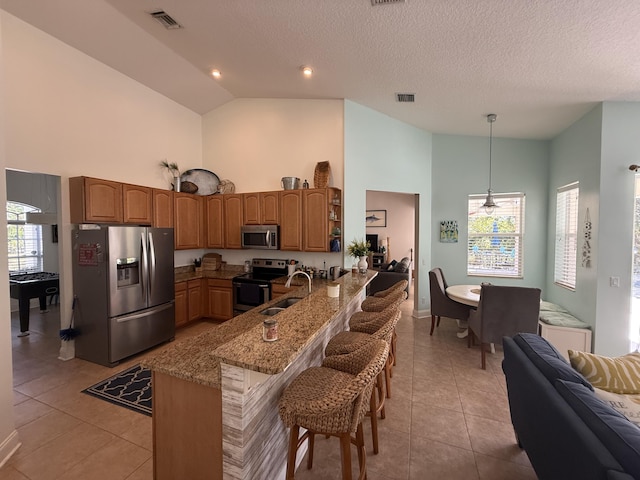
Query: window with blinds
column 566, row 255
column 24, row 240
column 495, row 241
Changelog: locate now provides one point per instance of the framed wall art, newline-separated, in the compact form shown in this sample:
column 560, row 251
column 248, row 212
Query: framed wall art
column 376, row 218
column 449, row 231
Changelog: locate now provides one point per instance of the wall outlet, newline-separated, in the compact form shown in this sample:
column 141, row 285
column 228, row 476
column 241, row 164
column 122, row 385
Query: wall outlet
column 614, row 281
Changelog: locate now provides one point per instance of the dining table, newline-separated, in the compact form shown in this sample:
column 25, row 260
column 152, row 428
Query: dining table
column 467, row 294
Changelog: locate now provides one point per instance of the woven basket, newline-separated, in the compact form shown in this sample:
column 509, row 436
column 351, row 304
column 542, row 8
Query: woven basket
column 226, row 186
column 321, row 175
column 188, row 187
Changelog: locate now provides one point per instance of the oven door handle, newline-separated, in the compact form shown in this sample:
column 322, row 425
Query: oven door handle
column 237, row 284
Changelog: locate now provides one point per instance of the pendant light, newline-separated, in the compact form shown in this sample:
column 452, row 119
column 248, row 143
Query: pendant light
column 489, row 204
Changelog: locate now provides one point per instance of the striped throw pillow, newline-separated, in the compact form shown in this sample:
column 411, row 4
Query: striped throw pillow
column 617, row 375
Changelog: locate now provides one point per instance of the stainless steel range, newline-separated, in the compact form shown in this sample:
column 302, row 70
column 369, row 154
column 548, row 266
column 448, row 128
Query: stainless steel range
column 254, row 288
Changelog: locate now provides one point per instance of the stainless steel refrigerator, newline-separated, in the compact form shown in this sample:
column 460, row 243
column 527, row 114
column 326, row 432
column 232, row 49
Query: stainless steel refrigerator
column 124, row 283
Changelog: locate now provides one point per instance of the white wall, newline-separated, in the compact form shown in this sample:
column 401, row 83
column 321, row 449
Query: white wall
column 9, row 440
column 575, row 156
column 461, row 168
column 256, row 142
column 620, row 148
column 70, row 115
column 382, row 153
column 400, row 229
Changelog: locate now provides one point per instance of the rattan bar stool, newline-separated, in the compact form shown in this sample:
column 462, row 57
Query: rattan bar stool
column 378, row 304
column 346, row 342
column 401, row 285
column 332, row 400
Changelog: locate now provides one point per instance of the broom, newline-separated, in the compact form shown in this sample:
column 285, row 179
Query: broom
column 70, row 333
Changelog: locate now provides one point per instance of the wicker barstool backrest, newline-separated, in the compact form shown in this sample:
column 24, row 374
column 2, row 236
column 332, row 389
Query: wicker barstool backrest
column 401, row 285
column 377, row 304
column 381, row 326
column 365, row 363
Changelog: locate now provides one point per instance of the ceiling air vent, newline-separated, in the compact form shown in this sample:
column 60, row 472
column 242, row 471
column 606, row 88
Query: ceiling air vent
column 405, row 97
column 384, row 2
column 165, row 20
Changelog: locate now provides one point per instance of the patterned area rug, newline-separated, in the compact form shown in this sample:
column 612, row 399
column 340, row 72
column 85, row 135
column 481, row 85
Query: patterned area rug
column 130, row 388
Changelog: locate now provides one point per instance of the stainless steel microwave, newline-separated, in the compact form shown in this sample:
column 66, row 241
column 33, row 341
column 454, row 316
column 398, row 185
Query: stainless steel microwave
column 265, row 237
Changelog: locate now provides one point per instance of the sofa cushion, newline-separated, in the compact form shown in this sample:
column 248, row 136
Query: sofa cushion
column 402, row 266
column 613, row 374
column 547, row 359
column 626, row 404
column 621, row 437
column 561, row 319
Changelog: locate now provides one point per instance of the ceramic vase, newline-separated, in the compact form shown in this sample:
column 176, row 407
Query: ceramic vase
column 363, row 265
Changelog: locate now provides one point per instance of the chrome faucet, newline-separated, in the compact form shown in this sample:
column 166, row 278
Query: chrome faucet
column 288, row 284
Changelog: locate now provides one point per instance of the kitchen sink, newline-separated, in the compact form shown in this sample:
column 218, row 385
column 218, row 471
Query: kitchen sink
column 280, row 306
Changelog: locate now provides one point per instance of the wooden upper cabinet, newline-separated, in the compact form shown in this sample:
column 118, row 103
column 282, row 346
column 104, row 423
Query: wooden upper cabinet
column 215, row 221
column 137, row 204
column 315, row 231
column 233, row 220
column 270, row 208
column 251, row 206
column 188, row 221
column 261, row 208
column 291, row 220
column 162, row 208
column 95, row 201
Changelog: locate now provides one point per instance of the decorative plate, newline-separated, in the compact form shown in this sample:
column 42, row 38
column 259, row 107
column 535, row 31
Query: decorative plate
column 206, row 181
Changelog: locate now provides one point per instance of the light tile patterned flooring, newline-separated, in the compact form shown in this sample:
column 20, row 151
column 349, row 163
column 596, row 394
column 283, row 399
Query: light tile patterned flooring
column 447, row 418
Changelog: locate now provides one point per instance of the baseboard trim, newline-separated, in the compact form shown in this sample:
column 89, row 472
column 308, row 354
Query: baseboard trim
column 8, row 447
column 420, row 313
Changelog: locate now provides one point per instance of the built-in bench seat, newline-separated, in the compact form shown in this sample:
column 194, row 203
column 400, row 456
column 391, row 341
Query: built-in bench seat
column 563, row 330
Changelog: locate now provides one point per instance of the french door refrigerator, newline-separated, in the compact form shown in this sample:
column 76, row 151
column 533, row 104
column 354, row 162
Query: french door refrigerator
column 124, row 284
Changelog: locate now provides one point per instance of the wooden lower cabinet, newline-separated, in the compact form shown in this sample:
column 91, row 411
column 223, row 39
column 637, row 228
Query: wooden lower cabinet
column 220, row 299
column 194, row 292
column 203, row 298
column 182, row 304
column 187, row 429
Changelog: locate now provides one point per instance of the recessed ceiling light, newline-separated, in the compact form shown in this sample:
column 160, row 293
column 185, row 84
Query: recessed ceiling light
column 306, row 71
column 216, row 73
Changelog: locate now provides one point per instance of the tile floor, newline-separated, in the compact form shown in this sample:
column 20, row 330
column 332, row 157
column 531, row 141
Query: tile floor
column 447, row 418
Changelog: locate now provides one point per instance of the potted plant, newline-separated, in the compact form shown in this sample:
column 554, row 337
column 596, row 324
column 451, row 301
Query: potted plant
column 174, row 171
column 360, row 250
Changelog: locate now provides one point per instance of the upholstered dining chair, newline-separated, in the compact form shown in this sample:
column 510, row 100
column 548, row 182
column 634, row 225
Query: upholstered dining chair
column 503, row 312
column 441, row 304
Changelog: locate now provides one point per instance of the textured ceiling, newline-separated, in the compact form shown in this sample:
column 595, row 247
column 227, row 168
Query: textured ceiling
column 538, row 64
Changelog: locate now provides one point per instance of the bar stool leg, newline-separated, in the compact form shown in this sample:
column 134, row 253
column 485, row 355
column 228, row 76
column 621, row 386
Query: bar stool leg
column 345, row 455
column 293, row 449
column 310, row 450
column 362, row 454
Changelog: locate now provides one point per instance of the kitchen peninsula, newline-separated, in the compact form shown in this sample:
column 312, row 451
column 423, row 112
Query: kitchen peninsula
column 215, row 396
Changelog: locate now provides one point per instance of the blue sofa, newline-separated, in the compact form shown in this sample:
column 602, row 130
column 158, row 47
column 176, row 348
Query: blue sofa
column 567, row 432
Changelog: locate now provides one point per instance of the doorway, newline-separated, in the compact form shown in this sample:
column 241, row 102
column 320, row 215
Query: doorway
column 33, row 215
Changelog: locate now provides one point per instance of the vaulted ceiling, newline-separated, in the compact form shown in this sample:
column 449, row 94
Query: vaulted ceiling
column 539, row 64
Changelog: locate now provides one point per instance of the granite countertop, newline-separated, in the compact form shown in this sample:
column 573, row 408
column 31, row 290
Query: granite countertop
column 226, row 272
column 239, row 341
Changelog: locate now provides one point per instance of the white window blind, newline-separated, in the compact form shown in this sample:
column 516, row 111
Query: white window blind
column 24, row 240
column 495, row 241
column 566, row 254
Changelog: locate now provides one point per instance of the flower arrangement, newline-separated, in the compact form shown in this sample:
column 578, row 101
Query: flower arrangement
column 358, row 249
column 172, row 167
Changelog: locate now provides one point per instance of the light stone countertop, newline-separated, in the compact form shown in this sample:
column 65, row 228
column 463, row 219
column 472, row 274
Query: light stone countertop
column 239, row 341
